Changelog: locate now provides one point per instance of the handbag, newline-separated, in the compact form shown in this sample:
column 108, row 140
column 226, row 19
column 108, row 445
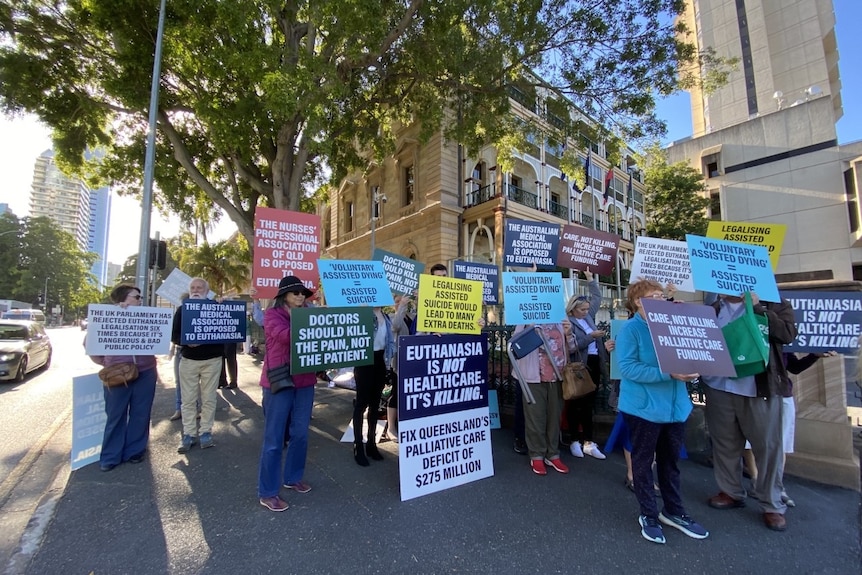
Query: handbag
column 119, row 374
column 747, row 340
column 279, row 378
column 576, row 379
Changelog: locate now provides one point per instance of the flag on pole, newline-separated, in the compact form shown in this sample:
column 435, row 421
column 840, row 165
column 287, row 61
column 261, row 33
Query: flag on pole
column 587, row 170
column 608, row 179
column 631, row 195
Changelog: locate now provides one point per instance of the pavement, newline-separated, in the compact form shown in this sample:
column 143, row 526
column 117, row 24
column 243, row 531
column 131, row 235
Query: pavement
column 198, row 513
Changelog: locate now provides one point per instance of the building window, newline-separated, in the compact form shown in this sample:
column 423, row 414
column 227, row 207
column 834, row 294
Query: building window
column 478, row 177
column 714, row 205
column 711, row 164
column 348, row 216
column 408, row 186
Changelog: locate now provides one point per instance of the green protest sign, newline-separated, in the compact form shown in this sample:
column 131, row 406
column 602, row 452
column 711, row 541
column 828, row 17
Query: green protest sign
column 325, row 338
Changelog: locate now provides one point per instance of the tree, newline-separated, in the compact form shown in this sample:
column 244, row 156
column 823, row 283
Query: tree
column 10, row 250
column 225, row 265
column 675, row 199
column 258, row 100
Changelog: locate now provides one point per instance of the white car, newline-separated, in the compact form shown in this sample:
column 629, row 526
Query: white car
column 24, row 347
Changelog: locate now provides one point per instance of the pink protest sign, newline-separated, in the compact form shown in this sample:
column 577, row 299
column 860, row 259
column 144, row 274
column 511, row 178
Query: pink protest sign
column 285, row 244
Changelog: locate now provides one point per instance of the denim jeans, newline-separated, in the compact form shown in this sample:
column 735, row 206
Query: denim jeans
column 294, row 404
column 127, row 428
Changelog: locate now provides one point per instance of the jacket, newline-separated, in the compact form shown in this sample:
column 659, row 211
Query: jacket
column 529, row 366
column 645, row 391
column 582, row 338
column 193, row 352
column 782, row 331
column 276, row 326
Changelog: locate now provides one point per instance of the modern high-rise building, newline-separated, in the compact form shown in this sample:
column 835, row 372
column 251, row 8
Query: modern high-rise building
column 75, row 208
column 768, row 148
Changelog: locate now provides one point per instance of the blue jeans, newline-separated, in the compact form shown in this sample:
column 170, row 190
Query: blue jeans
column 294, row 404
column 127, row 428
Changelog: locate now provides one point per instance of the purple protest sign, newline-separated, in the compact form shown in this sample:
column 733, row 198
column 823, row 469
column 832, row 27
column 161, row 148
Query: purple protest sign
column 582, row 248
column 687, row 338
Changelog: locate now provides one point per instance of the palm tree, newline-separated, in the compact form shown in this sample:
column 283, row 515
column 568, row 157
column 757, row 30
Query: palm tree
column 226, row 265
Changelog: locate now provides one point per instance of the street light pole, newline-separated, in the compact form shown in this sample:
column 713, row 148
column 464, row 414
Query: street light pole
column 147, row 194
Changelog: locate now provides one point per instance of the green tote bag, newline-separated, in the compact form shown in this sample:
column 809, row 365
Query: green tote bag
column 747, row 340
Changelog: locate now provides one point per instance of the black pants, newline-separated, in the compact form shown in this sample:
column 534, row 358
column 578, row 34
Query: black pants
column 662, row 441
column 228, row 375
column 370, row 380
column 579, row 412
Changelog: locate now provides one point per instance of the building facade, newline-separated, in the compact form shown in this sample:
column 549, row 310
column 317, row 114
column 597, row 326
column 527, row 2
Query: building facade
column 430, row 203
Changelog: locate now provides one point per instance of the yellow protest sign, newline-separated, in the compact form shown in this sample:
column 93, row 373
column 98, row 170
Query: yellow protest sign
column 448, row 305
column 770, row 236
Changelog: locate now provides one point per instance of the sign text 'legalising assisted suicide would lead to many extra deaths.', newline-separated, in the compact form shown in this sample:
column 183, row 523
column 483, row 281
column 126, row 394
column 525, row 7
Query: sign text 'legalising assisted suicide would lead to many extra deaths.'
column 448, row 305
column 135, row 330
column 444, row 422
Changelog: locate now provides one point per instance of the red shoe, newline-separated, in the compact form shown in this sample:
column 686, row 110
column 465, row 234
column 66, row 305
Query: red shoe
column 557, row 464
column 538, row 467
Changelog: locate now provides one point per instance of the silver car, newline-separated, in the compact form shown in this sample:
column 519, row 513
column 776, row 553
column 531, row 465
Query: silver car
column 24, row 347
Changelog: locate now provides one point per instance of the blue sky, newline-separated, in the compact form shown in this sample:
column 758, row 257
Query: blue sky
column 676, row 110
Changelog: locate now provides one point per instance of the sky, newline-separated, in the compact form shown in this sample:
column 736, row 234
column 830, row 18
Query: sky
column 22, row 140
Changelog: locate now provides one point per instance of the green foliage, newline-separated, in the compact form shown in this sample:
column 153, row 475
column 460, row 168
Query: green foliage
column 675, row 200
column 225, row 265
column 261, row 100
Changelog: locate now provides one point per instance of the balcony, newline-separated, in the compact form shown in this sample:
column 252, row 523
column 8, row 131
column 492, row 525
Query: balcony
column 526, row 100
column 480, row 196
column 522, row 196
column 559, row 210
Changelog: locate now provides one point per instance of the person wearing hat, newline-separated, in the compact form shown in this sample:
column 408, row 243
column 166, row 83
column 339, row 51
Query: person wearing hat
column 287, row 404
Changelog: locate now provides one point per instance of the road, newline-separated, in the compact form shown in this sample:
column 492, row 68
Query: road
column 36, row 418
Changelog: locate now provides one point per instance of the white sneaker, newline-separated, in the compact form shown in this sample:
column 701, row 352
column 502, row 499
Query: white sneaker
column 575, row 448
column 591, row 449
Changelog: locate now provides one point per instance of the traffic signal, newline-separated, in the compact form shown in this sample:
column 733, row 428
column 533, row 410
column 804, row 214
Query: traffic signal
column 158, row 254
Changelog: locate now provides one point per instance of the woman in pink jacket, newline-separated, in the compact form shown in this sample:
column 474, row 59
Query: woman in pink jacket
column 290, row 403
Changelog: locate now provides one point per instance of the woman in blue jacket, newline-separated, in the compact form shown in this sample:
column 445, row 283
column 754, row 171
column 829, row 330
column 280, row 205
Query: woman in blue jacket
column 655, row 406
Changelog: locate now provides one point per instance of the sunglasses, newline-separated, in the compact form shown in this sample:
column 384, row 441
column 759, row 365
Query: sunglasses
column 137, row 296
column 296, row 293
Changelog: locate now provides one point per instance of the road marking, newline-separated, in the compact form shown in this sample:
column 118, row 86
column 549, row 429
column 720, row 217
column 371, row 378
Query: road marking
column 27, row 461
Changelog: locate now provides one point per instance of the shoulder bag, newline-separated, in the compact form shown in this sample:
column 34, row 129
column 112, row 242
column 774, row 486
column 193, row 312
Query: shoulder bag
column 279, row 378
column 747, row 340
column 576, row 379
column 119, row 373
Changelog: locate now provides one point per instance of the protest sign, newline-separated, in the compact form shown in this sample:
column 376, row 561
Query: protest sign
column 204, row 321
column 285, row 244
column 664, row 261
column 135, row 330
column 402, row 273
column 443, row 420
column 687, row 338
column 826, row 321
column 354, row 283
column 583, row 248
column 731, row 268
column 616, row 326
column 327, row 338
column 770, row 236
column 533, row 298
column 88, row 419
column 526, row 243
column 488, row 274
column 176, row 285
column 494, row 408
column 448, row 305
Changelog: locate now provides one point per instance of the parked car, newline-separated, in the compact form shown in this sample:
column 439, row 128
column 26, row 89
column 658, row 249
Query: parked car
column 24, row 347
column 25, row 314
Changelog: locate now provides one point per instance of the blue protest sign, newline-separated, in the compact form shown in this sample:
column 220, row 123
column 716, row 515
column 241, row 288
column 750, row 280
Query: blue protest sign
column 826, row 321
column 526, row 243
column 488, row 274
column 731, row 268
column 205, row 321
column 402, row 273
column 349, row 283
column 533, row 297
column 444, row 425
column 88, row 419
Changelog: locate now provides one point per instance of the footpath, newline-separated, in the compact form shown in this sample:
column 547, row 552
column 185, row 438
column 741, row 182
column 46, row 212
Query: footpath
column 198, row 513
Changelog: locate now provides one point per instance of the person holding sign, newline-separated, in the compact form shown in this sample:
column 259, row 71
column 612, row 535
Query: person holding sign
column 370, row 380
column 655, row 406
column 749, row 407
column 128, row 407
column 200, row 367
column 542, row 418
column 289, row 403
column 589, row 349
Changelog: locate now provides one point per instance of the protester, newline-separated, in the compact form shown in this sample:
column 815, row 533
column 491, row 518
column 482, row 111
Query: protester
column 127, row 407
column 229, row 369
column 200, row 367
column 403, row 323
column 655, row 406
column 749, row 407
column 370, row 380
column 542, row 418
column 590, row 350
column 439, row 270
column 291, row 404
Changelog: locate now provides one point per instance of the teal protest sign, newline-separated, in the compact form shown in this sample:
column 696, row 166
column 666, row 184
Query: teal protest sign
column 327, row 338
column 354, row 283
column 731, row 268
column 402, row 273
